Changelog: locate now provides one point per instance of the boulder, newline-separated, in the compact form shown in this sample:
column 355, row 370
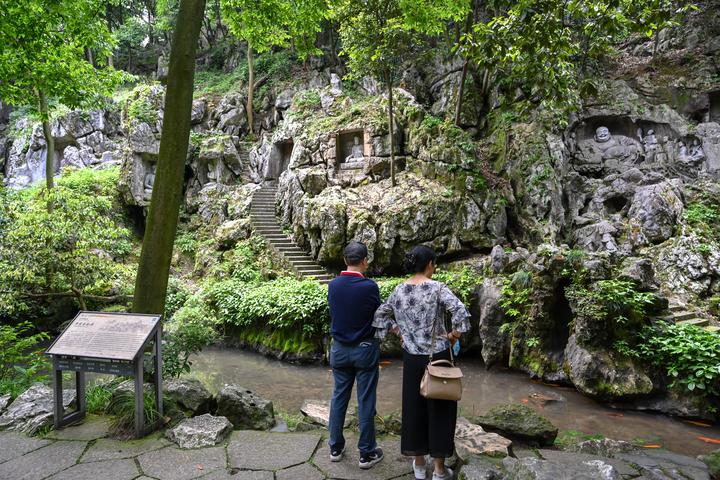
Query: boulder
column 245, row 409
column 656, row 209
column 142, row 139
column 5, row 400
column 479, row 468
column 567, row 468
column 33, row 410
column 599, row 374
column 605, row 447
column 318, row 411
column 491, row 317
column 189, row 394
column 231, row 232
column 197, row 432
column 197, row 114
column 77, row 157
column 519, row 422
column 471, row 440
column 640, row 271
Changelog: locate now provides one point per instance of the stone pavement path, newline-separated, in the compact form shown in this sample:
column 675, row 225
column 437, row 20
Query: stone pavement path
column 82, row 453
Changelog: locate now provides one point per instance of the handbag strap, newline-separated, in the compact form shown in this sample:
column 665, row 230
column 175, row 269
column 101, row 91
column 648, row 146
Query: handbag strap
column 434, row 333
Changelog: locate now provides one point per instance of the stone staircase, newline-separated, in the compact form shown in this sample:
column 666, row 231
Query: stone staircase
column 679, row 313
column 264, row 221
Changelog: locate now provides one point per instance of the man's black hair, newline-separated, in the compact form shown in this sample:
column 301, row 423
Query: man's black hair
column 355, row 253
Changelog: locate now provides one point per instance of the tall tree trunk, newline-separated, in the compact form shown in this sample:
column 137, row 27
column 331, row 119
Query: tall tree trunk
column 461, row 91
column 89, row 56
column 251, row 87
column 49, row 141
column 391, row 119
column 152, row 276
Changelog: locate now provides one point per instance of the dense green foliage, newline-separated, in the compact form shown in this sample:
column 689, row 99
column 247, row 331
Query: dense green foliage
column 74, row 251
column 516, row 299
column 285, row 303
column 43, row 49
column 546, row 48
column 687, row 354
column 21, row 362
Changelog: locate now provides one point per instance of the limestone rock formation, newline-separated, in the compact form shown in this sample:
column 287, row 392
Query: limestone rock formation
column 245, row 409
column 33, row 409
column 600, row 374
column 188, row 394
column 198, row 432
column 520, row 422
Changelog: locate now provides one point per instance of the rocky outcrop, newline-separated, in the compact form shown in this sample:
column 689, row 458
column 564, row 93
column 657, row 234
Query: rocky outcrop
column 495, row 342
column 519, row 422
column 245, row 409
column 33, row 409
column 471, row 440
column 600, row 374
column 5, row 400
column 188, row 394
column 198, row 432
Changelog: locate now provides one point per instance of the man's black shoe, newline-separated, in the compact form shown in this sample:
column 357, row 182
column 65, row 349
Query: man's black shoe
column 336, row 454
column 368, row 460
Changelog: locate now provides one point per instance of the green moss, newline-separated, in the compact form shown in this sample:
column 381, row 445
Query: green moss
column 280, row 340
column 712, row 460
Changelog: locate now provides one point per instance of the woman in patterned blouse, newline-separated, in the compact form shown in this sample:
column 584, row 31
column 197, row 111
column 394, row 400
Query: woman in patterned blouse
column 428, row 426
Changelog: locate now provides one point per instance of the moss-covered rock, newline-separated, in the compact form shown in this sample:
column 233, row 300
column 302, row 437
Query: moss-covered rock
column 712, row 460
column 519, row 422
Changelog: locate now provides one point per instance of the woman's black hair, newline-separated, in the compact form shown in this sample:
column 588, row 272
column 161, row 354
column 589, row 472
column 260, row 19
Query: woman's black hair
column 417, row 259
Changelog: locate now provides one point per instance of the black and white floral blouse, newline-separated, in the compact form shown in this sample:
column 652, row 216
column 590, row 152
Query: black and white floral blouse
column 413, row 308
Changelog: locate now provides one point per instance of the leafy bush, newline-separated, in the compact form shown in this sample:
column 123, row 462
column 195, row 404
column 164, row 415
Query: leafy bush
column 515, row 299
column 285, row 303
column 704, row 215
column 175, row 297
column 307, row 100
column 608, row 310
column 21, row 363
column 190, row 329
column 71, row 251
column 98, row 398
column 122, row 407
column 249, row 261
column 689, row 355
column 461, row 282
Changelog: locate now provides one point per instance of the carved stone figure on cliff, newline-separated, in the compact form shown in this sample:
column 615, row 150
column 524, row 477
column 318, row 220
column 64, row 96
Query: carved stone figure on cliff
column 605, row 149
column 149, row 182
column 357, row 151
column 651, row 146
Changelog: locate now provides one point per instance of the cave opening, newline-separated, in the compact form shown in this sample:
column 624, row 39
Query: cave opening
column 615, row 204
column 562, row 316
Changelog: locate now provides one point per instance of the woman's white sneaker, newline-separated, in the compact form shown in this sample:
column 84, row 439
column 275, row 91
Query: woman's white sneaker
column 447, row 475
column 420, row 472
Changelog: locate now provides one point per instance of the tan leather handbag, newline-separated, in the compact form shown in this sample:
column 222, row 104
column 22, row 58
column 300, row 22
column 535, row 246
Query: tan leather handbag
column 442, row 380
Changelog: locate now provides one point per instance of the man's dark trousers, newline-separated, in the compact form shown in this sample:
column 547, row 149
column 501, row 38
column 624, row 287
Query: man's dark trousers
column 349, row 363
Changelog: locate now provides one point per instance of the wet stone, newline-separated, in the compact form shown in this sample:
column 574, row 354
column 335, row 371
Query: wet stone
column 392, row 466
column 471, row 439
column 254, row 450
column 15, row 444
column 300, row 472
column 197, row 432
column 317, row 411
column 91, row 428
column 43, row 462
column 106, row 449
column 479, row 468
column 174, row 464
column 114, row 469
column 623, row 468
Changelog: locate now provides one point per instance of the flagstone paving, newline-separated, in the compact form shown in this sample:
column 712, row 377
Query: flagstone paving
column 82, row 453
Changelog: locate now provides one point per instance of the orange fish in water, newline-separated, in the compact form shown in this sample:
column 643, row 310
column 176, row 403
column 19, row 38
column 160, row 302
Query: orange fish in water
column 652, row 445
column 709, row 440
column 699, row 424
column 385, row 362
column 618, row 415
column 525, row 400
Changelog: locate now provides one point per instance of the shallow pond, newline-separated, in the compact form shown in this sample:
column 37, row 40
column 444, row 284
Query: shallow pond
column 288, row 385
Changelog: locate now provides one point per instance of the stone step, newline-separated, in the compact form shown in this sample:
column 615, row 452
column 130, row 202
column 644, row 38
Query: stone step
column 300, row 261
column 712, row 329
column 684, row 315
column 267, row 225
column 309, row 268
column 676, row 307
column 698, row 322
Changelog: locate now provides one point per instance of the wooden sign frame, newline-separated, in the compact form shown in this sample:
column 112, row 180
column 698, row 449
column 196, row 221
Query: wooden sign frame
column 80, row 348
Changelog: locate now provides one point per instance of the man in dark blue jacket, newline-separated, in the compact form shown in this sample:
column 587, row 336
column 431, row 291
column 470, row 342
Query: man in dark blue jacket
column 355, row 353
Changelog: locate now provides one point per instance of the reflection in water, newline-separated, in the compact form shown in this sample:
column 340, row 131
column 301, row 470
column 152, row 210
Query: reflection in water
column 288, row 385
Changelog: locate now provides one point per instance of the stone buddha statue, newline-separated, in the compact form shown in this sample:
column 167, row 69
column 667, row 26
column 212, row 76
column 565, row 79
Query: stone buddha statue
column 149, row 182
column 357, row 151
column 605, row 149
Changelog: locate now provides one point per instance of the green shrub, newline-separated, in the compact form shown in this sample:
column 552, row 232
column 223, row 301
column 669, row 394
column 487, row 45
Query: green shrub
column 98, row 398
column 190, row 329
column 516, row 299
column 462, row 282
column 21, row 363
column 122, row 407
column 307, row 100
column 704, row 215
column 689, row 355
column 285, row 303
column 74, row 250
column 175, row 297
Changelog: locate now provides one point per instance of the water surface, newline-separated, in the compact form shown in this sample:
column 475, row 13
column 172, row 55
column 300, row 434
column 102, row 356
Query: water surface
column 288, row 385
